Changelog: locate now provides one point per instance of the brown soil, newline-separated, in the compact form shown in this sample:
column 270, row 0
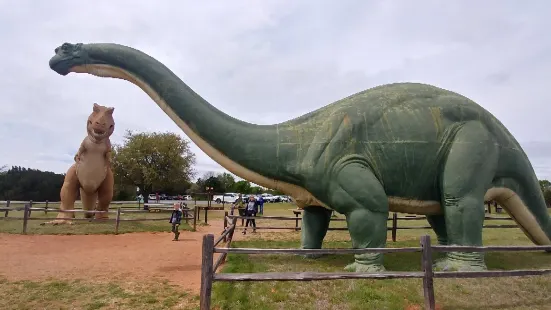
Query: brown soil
column 131, row 257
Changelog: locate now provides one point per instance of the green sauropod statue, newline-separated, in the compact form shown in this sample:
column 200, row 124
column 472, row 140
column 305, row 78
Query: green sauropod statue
column 403, row 147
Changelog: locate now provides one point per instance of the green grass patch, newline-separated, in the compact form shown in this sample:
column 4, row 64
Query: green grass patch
column 55, row 294
column 490, row 293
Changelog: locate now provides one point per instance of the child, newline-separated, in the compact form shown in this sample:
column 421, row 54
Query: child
column 251, row 210
column 175, row 219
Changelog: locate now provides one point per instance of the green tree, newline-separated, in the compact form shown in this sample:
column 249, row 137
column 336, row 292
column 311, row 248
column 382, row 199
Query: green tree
column 242, row 187
column 153, row 162
column 544, row 184
column 227, row 182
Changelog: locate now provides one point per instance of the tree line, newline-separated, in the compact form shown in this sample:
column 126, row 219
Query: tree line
column 151, row 161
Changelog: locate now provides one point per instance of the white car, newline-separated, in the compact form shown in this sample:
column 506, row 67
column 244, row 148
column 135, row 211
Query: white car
column 226, row 198
column 268, row 197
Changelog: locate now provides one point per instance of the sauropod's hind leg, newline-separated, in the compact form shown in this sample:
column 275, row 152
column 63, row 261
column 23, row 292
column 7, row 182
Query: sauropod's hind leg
column 467, row 174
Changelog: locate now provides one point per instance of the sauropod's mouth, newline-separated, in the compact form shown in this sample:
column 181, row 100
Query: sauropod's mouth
column 98, row 132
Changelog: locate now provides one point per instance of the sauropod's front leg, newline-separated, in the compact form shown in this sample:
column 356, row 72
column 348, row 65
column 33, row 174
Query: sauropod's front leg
column 315, row 222
column 355, row 192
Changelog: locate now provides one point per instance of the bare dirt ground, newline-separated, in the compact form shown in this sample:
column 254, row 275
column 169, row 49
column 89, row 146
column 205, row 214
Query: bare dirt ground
column 131, row 257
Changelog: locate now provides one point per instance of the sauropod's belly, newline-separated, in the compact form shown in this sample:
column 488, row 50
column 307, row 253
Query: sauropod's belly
column 91, row 172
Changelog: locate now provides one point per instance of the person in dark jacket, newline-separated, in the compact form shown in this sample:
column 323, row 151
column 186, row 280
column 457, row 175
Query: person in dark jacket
column 251, row 209
column 175, row 219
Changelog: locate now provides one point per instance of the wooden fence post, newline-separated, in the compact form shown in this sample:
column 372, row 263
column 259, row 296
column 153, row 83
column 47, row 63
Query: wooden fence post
column 46, row 208
column 207, row 272
column 394, row 226
column 296, row 221
column 225, row 224
column 426, row 261
column 118, row 221
column 25, row 218
column 206, row 212
column 30, row 206
column 195, row 218
column 7, row 207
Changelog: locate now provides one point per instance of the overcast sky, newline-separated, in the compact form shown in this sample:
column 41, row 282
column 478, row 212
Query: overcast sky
column 269, row 61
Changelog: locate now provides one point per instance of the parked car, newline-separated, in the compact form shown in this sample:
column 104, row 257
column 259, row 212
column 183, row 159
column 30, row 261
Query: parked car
column 152, row 197
column 186, row 197
column 268, row 197
column 226, row 198
column 283, row 198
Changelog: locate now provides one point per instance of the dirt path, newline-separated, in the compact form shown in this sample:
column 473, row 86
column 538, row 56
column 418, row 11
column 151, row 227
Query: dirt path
column 133, row 256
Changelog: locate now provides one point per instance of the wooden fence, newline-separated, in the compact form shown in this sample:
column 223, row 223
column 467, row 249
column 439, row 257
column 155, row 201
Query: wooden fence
column 209, row 266
column 154, row 208
column 394, row 227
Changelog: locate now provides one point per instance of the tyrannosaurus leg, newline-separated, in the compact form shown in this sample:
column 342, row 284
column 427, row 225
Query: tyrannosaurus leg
column 315, row 222
column 68, row 195
column 88, row 202
column 467, row 174
column 358, row 194
column 105, row 195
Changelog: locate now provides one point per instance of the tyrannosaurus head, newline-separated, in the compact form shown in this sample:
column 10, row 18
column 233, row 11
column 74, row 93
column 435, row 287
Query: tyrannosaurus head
column 100, row 124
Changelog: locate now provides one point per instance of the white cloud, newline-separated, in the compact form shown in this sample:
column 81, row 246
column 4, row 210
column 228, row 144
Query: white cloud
column 269, row 61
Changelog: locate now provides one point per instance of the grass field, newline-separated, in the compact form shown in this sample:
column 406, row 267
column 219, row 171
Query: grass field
column 496, row 293
column 15, row 226
column 76, row 294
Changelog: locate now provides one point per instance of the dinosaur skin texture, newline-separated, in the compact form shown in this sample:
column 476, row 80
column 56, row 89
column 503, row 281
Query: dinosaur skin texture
column 91, row 173
column 403, row 147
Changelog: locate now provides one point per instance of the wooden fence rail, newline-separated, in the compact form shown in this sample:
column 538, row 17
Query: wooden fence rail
column 393, row 228
column 27, row 209
column 209, row 267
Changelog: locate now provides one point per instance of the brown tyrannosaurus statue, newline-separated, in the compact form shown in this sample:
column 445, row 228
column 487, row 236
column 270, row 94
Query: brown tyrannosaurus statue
column 91, row 173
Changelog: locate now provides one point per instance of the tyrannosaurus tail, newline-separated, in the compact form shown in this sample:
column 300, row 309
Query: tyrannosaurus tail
column 521, row 197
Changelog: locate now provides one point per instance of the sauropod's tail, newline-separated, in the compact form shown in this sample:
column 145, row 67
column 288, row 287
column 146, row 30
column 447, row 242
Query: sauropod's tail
column 520, row 195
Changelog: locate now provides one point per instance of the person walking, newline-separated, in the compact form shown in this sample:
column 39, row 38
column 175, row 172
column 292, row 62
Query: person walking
column 250, row 211
column 175, row 219
column 261, row 204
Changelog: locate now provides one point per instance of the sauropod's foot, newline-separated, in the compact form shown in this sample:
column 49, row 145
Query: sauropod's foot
column 361, row 267
column 461, row 262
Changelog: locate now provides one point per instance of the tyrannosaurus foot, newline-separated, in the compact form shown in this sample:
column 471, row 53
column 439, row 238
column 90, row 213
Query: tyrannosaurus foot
column 461, row 262
column 58, row 222
column 363, row 267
